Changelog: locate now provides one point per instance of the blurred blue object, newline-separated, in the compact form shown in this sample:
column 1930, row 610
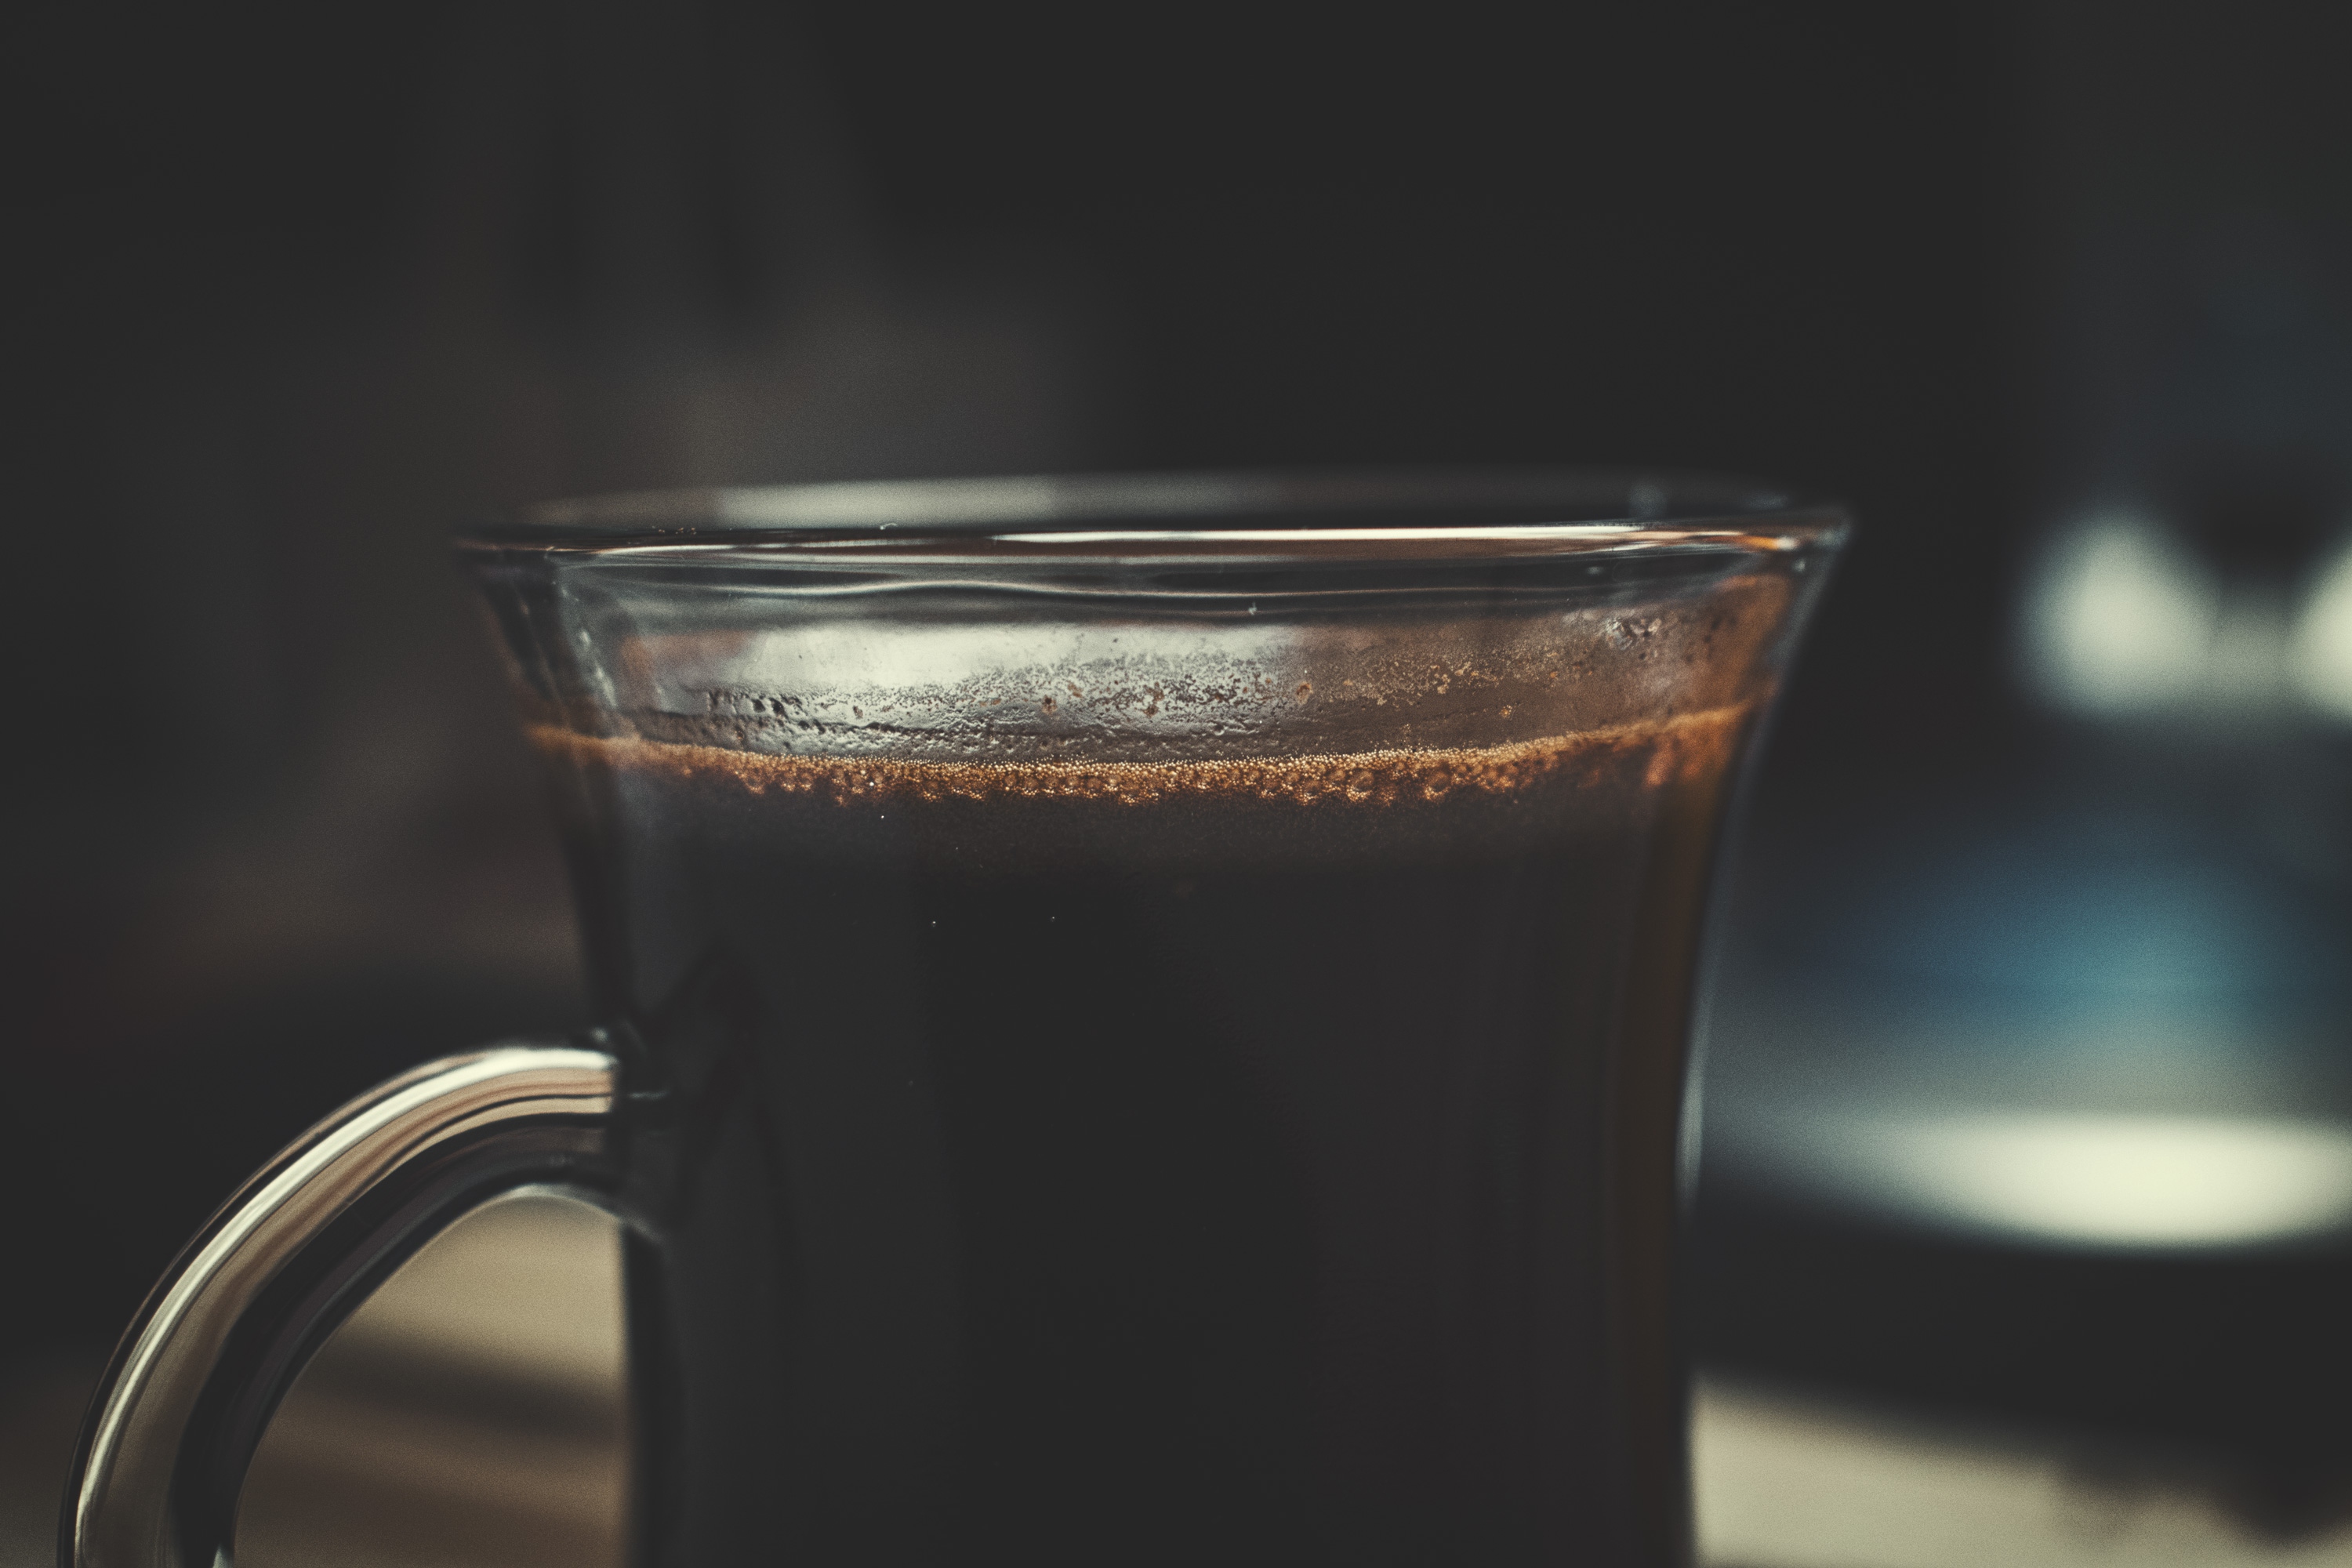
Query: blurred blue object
column 2081, row 910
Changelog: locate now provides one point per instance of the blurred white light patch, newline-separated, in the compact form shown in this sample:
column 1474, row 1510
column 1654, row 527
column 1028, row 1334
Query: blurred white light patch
column 2322, row 658
column 2119, row 618
column 2074, row 1179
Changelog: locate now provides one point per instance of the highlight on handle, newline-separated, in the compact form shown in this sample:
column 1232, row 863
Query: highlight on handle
column 217, row 1342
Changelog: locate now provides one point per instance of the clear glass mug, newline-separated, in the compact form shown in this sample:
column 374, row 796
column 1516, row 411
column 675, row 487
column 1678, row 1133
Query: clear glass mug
column 1147, row 1022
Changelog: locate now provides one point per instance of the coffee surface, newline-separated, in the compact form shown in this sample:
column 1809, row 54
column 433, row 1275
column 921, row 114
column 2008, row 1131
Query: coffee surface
column 1663, row 749
column 1392, row 802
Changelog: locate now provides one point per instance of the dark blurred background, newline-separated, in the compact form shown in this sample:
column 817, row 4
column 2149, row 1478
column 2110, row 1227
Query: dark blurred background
column 2056, row 825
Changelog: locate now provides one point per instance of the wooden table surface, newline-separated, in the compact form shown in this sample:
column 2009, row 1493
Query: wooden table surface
column 470, row 1416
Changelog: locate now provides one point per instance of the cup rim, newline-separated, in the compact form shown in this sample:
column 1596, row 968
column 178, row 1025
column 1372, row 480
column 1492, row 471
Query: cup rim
column 1258, row 514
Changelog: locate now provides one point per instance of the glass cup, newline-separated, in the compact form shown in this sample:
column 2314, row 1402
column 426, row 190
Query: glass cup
column 1147, row 1022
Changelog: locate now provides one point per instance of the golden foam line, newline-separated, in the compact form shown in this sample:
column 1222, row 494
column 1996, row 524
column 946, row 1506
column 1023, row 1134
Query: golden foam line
column 1663, row 749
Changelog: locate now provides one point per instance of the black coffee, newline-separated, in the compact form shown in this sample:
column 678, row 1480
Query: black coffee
column 1263, row 1162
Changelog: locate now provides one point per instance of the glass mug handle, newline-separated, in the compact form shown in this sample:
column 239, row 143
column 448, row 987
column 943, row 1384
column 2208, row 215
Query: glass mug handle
column 176, row 1421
